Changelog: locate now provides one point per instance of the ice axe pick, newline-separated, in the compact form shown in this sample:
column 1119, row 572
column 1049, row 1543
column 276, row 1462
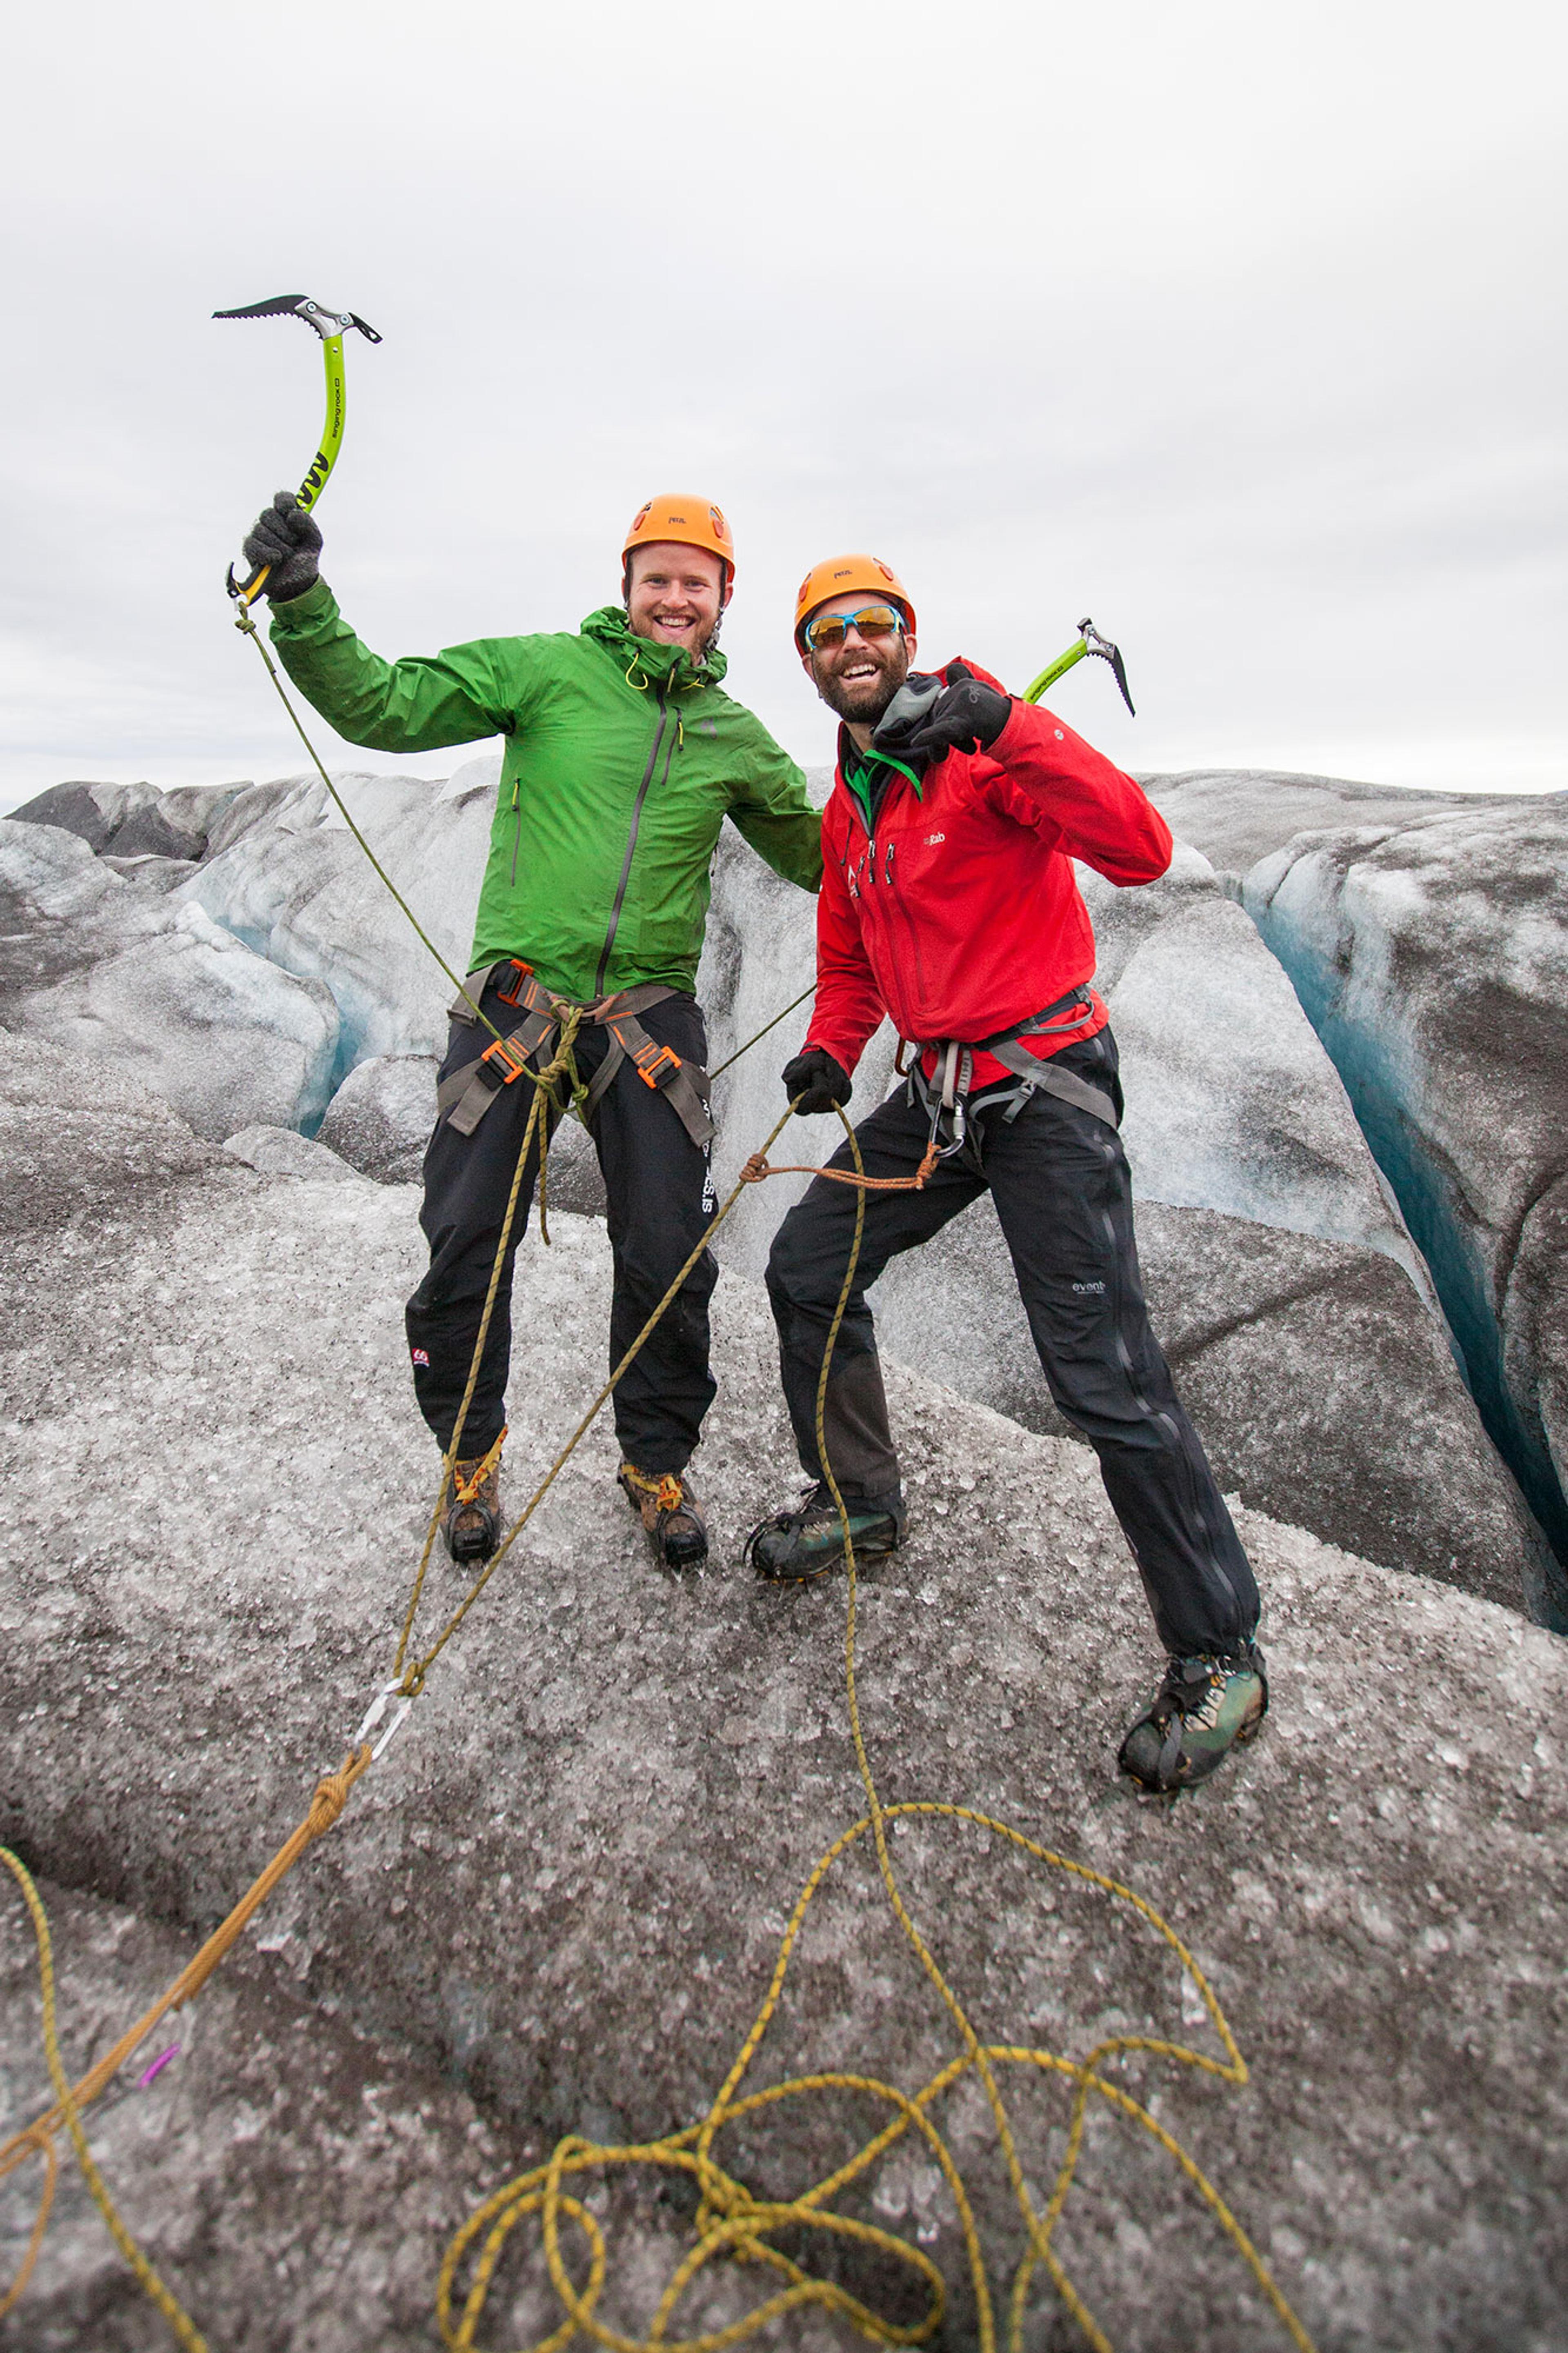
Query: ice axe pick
column 331, row 326
column 1089, row 642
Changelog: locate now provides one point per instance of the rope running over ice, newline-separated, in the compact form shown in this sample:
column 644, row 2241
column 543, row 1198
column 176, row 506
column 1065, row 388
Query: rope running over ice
column 729, row 2219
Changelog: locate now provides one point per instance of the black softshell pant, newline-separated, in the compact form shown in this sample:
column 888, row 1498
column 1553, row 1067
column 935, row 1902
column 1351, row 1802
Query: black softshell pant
column 660, row 1200
column 1064, row 1197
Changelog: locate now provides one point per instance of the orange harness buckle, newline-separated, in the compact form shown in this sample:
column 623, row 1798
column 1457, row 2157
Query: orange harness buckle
column 513, row 990
column 657, row 1065
column 508, row 1070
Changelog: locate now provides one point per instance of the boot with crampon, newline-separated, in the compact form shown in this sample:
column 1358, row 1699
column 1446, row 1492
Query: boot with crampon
column 671, row 1513
column 792, row 1547
column 470, row 1510
column 1205, row 1706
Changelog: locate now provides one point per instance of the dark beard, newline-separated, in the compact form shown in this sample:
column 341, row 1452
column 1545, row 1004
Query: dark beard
column 863, row 704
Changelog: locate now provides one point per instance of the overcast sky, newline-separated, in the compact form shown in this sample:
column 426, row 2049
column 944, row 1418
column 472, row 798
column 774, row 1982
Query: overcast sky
column 1239, row 327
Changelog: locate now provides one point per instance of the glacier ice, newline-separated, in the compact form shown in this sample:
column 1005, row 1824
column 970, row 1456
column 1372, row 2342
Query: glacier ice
column 562, row 1888
column 1432, row 960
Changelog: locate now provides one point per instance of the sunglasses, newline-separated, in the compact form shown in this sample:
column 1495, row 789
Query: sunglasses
column 872, row 621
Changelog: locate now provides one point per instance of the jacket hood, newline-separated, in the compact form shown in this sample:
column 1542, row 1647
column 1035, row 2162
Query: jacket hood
column 655, row 665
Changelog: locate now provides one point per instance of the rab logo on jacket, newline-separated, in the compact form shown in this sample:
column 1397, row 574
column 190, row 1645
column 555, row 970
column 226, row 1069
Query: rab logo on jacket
column 932, row 839
column 419, row 1358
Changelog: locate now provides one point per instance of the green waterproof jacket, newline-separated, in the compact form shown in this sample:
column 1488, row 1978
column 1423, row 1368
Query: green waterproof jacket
column 622, row 763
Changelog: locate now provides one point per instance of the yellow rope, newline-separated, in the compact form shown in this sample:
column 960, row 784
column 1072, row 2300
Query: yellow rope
column 732, row 2221
column 69, row 2110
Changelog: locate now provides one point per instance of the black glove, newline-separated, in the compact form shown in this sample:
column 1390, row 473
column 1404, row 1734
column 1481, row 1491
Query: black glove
column 284, row 535
column 820, row 1081
column 965, row 718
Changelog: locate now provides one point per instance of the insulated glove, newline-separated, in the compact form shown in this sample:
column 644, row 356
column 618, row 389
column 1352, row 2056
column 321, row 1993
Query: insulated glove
column 967, row 717
column 284, row 536
column 908, row 712
column 821, row 1082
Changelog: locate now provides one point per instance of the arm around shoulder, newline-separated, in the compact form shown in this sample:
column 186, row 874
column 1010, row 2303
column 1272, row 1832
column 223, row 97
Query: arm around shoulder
column 772, row 810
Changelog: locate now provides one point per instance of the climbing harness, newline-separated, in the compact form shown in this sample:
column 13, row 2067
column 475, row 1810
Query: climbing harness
column 730, row 2219
column 331, row 326
column 463, row 1099
column 1089, row 642
column 946, row 1094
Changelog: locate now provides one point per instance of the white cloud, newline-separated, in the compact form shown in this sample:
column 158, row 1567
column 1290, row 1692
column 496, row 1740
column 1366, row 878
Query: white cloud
column 1227, row 324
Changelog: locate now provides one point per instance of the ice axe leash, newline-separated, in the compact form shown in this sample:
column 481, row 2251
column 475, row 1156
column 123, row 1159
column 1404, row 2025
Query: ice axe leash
column 331, row 326
column 1089, row 642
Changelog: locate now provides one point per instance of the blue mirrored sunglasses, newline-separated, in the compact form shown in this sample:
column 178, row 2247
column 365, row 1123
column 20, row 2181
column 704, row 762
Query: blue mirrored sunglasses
column 872, row 621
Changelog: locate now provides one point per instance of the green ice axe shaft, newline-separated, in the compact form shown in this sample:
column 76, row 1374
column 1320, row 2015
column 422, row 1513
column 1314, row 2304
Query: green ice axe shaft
column 331, row 326
column 1089, row 642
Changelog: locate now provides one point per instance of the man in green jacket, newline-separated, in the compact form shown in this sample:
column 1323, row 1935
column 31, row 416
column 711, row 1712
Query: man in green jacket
column 622, row 757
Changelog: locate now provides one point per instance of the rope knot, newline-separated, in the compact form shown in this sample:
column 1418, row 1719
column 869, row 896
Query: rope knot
column 755, row 1169
column 332, row 1792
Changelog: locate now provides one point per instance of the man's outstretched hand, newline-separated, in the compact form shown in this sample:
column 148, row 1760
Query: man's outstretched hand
column 821, row 1083
column 286, row 537
column 966, row 717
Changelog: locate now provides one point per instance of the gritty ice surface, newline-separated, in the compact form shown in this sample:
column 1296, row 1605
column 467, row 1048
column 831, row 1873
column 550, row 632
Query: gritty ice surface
column 1434, row 961
column 1237, row 1122
column 291, row 880
column 563, row 1884
column 116, row 975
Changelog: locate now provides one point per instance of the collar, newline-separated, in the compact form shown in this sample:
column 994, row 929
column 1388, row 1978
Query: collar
column 647, row 662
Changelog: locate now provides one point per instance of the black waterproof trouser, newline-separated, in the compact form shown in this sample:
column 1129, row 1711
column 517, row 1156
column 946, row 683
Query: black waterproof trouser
column 1059, row 1179
column 660, row 1199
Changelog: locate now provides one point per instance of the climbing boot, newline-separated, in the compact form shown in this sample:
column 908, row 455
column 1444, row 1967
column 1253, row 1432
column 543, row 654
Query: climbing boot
column 669, row 1512
column 1205, row 1707
column 470, row 1509
column 792, row 1547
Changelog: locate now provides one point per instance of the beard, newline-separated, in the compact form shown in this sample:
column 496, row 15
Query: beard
column 864, row 700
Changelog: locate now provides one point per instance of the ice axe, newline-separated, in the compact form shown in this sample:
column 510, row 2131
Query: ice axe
column 331, row 326
column 1089, row 642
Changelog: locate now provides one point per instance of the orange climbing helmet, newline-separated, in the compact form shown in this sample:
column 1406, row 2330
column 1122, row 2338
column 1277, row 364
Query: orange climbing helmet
column 689, row 521
column 844, row 575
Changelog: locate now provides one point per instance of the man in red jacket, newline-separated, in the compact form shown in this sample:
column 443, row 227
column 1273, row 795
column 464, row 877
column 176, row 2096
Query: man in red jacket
column 949, row 905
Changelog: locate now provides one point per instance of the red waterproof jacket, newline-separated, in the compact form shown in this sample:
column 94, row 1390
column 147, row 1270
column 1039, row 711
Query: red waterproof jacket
column 961, row 914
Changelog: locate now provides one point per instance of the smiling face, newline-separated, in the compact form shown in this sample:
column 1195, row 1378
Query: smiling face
column 676, row 595
column 859, row 678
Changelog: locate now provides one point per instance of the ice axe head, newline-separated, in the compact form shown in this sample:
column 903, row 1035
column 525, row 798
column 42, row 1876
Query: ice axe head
column 331, row 326
column 301, row 306
column 1095, row 644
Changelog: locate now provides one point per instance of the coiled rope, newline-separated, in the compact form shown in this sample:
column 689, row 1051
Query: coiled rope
column 730, row 2219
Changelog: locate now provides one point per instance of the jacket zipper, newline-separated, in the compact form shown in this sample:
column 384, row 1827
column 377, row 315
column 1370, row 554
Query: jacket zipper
column 895, row 899
column 517, row 829
column 632, row 842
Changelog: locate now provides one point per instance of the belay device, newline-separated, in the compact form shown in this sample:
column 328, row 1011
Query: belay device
column 331, row 326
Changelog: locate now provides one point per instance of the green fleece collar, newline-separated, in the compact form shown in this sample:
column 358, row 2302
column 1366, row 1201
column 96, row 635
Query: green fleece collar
column 655, row 665
column 868, row 790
